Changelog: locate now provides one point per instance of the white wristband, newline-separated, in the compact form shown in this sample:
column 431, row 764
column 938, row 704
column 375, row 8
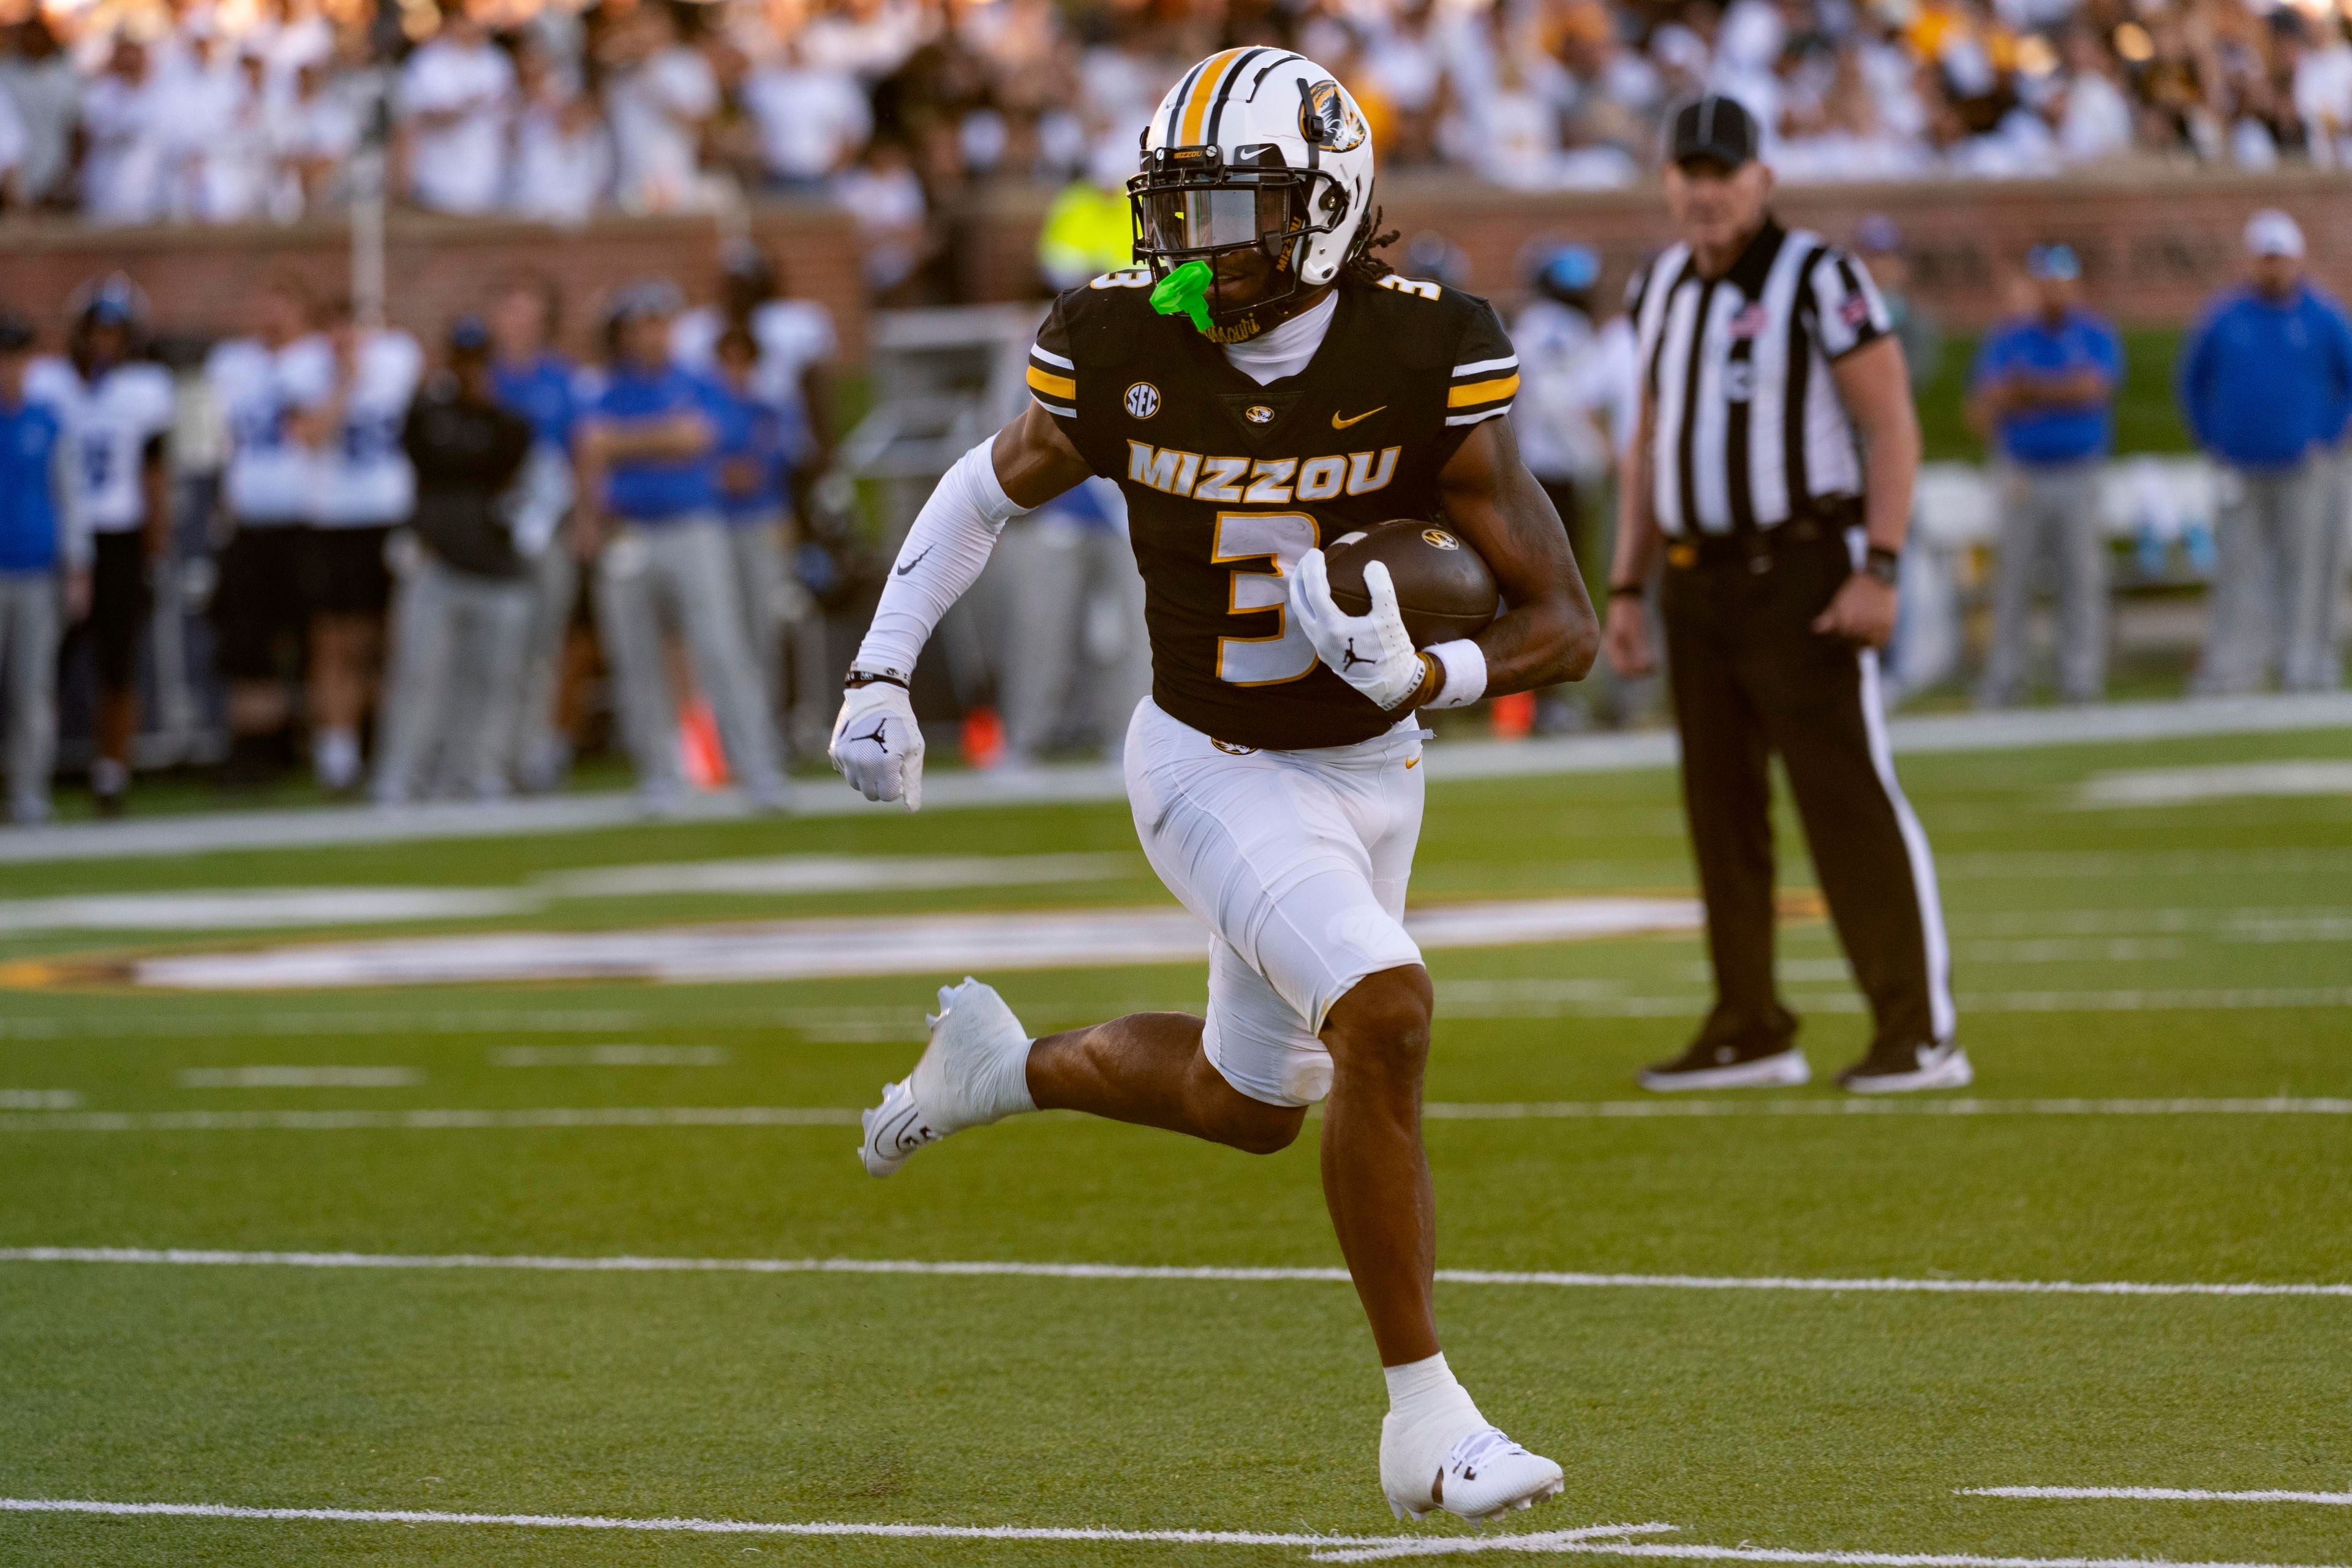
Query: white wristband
column 1464, row 664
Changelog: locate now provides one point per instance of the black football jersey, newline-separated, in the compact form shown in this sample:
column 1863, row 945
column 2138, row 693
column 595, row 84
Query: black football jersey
column 1228, row 484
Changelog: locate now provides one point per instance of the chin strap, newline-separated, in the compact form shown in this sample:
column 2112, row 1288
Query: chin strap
column 1185, row 292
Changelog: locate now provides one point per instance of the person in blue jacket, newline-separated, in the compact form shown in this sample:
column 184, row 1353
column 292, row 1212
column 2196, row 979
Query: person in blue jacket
column 45, row 563
column 650, row 518
column 2267, row 386
column 2044, row 393
column 758, row 444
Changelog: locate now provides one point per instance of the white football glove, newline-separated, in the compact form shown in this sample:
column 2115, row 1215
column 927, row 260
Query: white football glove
column 1371, row 652
column 876, row 745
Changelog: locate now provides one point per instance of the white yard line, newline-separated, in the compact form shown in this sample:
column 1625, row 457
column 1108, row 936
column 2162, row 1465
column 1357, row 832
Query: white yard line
column 945, row 945
column 2159, row 1494
column 1636, row 1110
column 1596, row 1003
column 53, row 1110
column 625, row 1264
column 428, row 1121
column 301, row 1078
column 2218, row 781
column 1593, row 1540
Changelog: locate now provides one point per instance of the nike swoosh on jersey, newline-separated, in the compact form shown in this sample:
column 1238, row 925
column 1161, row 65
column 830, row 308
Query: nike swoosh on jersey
column 1339, row 424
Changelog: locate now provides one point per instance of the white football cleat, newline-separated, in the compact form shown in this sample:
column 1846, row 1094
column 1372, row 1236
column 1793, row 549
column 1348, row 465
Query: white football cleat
column 1484, row 1476
column 974, row 1071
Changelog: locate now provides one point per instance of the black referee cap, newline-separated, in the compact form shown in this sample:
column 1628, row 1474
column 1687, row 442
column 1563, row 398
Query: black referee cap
column 1715, row 128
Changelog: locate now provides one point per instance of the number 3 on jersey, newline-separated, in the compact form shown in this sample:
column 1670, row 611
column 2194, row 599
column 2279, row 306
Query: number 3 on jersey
column 1280, row 537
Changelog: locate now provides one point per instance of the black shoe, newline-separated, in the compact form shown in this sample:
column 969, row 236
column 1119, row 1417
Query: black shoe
column 1709, row 1064
column 1906, row 1070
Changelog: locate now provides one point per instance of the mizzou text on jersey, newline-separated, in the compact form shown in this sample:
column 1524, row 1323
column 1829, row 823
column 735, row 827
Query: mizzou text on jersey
column 1228, row 483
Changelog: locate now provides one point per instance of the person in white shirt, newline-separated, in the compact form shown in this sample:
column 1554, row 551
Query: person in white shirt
column 120, row 408
column 362, row 488
column 881, row 192
column 456, row 93
column 45, row 90
column 222, row 157
column 257, row 383
column 812, row 119
column 123, row 121
column 661, row 96
column 2093, row 117
column 562, row 167
column 315, row 131
column 2322, row 85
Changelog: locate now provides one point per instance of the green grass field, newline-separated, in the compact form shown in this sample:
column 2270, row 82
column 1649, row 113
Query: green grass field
column 2195, row 953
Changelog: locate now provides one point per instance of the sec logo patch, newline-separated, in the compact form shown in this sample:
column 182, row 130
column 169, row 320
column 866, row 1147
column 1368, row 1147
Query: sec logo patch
column 1143, row 400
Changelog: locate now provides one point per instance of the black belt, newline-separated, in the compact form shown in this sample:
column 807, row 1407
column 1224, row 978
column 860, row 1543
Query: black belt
column 1756, row 549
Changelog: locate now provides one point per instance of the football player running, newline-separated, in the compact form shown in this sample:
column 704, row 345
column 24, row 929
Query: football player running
column 1259, row 385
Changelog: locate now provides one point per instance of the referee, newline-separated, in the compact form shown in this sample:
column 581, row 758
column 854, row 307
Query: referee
column 1773, row 469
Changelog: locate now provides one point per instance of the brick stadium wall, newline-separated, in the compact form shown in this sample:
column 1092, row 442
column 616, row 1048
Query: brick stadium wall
column 202, row 281
column 2152, row 247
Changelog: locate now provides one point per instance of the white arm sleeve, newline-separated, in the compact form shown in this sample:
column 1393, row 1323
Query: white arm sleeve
column 941, row 559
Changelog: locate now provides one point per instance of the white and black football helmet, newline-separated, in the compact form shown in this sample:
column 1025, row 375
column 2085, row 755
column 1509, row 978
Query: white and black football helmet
column 1255, row 149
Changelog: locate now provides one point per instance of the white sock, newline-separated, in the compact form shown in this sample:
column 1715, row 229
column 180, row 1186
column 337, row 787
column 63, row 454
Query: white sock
column 108, row 776
column 1427, row 1393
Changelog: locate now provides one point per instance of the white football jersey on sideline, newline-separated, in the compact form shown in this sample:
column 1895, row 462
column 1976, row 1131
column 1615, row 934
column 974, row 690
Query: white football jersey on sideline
column 267, row 478
column 363, row 475
column 113, row 418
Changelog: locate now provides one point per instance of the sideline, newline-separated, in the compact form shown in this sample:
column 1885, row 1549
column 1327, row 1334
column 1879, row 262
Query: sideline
column 320, row 827
column 2159, row 1494
column 1596, row 1541
column 625, row 1264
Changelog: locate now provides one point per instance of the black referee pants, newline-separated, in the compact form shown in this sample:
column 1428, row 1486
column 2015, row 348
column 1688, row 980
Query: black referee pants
column 1750, row 676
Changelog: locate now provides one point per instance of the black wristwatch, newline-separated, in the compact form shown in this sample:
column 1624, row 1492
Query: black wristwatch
column 859, row 678
column 1883, row 564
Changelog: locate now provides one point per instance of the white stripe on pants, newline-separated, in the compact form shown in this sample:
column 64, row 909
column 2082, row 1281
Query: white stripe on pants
column 457, row 655
column 28, row 660
column 682, row 567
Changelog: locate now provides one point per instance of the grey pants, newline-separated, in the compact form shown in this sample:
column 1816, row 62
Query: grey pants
column 538, row 755
column 459, row 643
column 1073, row 637
column 2048, row 511
column 2280, row 565
column 28, row 678
column 683, row 569
column 778, row 613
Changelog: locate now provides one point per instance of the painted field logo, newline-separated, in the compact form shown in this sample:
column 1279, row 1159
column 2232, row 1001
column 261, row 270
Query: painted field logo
column 1143, row 400
column 1440, row 538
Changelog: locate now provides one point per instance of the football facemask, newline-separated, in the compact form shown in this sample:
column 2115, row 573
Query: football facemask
column 1249, row 225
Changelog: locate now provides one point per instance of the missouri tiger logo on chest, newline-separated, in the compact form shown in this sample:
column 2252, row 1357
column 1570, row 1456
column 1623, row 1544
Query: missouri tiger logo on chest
column 1261, row 481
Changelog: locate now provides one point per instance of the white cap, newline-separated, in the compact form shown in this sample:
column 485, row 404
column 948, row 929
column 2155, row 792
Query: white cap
column 2271, row 232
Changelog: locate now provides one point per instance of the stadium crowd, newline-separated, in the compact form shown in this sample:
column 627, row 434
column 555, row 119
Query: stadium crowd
column 133, row 111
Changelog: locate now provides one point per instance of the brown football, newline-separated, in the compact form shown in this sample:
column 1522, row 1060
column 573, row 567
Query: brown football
column 1443, row 585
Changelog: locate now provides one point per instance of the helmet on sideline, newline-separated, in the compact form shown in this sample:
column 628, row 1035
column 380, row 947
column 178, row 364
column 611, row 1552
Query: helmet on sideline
column 1255, row 149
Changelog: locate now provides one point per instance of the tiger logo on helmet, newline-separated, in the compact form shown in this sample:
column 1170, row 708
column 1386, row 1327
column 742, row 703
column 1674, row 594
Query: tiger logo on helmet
column 1255, row 153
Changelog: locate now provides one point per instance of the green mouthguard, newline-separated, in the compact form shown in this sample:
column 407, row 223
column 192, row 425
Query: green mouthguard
column 1185, row 292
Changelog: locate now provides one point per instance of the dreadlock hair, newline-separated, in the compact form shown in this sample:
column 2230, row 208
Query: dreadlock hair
column 1362, row 267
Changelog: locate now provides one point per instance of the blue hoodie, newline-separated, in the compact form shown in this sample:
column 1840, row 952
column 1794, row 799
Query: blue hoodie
column 32, row 522
column 2263, row 382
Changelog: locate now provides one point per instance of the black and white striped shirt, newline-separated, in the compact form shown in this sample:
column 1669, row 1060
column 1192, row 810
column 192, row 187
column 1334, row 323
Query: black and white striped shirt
column 1749, row 429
